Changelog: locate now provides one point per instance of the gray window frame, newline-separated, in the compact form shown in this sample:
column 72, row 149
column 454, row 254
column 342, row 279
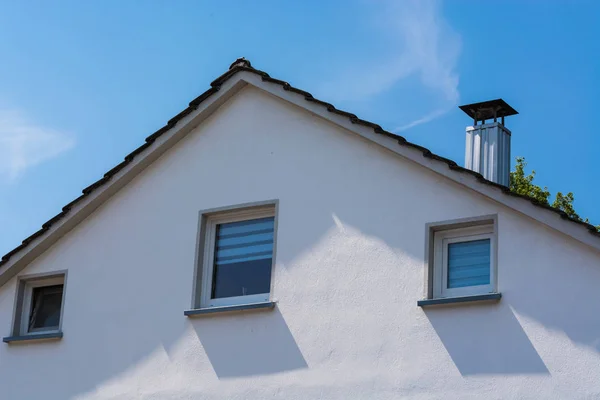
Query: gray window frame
column 203, row 240
column 25, row 284
column 455, row 225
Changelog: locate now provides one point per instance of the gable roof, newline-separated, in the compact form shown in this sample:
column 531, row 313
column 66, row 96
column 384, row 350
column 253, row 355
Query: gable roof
column 222, row 89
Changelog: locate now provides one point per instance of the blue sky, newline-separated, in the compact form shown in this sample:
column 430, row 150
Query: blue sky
column 83, row 83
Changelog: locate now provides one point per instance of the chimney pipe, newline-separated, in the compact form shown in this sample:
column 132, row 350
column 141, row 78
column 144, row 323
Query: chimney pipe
column 487, row 150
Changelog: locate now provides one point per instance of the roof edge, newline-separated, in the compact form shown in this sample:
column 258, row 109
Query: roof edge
column 240, row 65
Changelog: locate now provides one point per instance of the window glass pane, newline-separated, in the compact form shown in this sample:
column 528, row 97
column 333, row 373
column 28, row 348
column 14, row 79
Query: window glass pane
column 243, row 258
column 468, row 263
column 45, row 307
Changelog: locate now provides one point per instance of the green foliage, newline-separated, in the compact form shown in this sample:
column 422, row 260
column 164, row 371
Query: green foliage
column 523, row 184
column 565, row 203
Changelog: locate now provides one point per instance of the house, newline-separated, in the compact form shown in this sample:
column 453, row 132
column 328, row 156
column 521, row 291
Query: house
column 266, row 245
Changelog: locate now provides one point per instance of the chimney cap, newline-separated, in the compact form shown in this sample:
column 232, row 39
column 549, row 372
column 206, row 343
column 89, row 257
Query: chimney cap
column 490, row 109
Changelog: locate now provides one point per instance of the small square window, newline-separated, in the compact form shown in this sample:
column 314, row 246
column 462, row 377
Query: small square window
column 40, row 302
column 238, row 248
column 464, row 262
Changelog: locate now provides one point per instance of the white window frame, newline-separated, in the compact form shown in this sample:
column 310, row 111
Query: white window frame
column 440, row 263
column 28, row 298
column 209, row 252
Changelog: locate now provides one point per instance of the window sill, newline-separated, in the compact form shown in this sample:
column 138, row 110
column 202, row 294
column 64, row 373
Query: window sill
column 199, row 312
column 462, row 299
column 33, row 337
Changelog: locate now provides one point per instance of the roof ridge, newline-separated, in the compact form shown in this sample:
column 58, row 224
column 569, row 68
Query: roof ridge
column 243, row 64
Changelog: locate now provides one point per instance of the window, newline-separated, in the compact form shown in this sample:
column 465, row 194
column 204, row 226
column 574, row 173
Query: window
column 40, row 302
column 238, row 247
column 44, row 311
column 464, row 261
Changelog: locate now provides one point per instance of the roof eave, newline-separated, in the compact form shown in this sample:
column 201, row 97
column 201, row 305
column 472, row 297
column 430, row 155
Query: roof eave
column 96, row 194
column 223, row 88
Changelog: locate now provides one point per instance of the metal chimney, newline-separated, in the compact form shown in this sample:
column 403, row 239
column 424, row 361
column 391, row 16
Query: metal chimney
column 487, row 149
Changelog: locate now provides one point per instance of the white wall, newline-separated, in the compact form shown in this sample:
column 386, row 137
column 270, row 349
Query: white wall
column 350, row 269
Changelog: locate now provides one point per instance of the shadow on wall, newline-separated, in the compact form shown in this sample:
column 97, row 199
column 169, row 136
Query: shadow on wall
column 105, row 351
column 486, row 339
column 565, row 296
column 237, row 345
column 575, row 313
column 246, row 344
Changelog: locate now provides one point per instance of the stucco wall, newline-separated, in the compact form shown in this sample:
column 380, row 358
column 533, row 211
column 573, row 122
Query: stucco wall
column 350, row 269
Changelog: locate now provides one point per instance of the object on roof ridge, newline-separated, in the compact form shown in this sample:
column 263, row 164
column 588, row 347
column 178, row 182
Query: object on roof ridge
column 241, row 62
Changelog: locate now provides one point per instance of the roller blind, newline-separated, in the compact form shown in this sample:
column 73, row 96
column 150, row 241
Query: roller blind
column 243, row 258
column 469, row 263
column 245, row 241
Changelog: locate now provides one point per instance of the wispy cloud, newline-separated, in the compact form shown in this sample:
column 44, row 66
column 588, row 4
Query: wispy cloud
column 422, row 46
column 429, row 116
column 23, row 144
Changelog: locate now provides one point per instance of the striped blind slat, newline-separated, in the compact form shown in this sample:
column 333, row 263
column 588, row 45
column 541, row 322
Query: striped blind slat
column 244, row 241
column 469, row 263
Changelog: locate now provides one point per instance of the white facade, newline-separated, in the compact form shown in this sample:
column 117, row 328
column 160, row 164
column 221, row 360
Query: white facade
column 350, row 268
